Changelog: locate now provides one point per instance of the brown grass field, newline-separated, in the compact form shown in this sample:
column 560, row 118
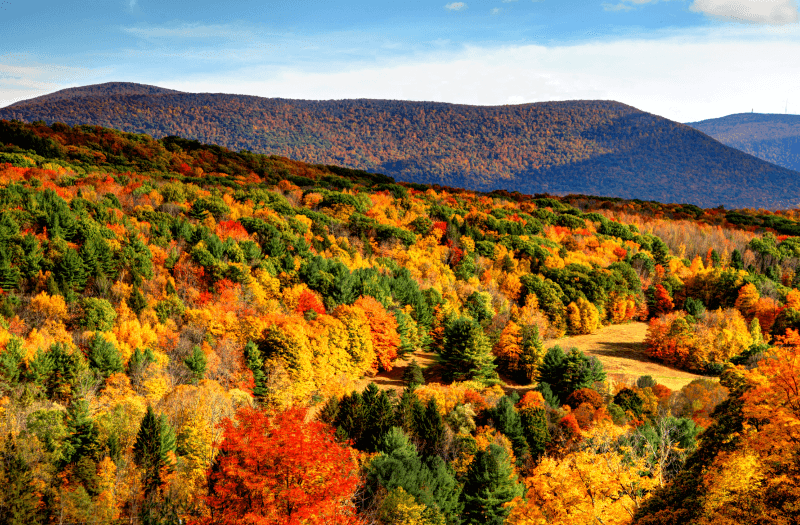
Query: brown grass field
column 620, row 348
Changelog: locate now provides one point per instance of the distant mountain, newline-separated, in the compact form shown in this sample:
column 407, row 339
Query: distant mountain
column 771, row 137
column 590, row 147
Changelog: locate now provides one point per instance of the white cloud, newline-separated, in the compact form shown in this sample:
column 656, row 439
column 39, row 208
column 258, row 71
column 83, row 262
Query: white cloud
column 456, row 6
column 21, row 82
column 775, row 12
column 682, row 77
column 617, row 7
column 496, row 11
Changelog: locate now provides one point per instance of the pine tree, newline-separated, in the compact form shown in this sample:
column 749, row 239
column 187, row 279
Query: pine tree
column 252, row 358
column 83, row 437
column 466, row 351
column 104, row 356
column 737, row 262
column 533, row 353
column 430, row 428
column 412, row 376
column 404, row 412
column 155, row 439
column 507, row 420
column 137, row 301
column 70, row 271
column 196, row 362
column 9, row 274
column 491, row 482
column 19, row 501
column 431, row 482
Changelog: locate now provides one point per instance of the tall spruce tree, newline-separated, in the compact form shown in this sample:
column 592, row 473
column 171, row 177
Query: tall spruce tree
column 253, row 360
column 196, row 362
column 490, row 483
column 431, row 482
column 430, row 428
column 19, row 501
column 155, row 439
column 507, row 420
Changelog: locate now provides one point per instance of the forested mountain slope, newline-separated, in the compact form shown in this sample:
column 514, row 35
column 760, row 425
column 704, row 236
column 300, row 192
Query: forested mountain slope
column 185, row 332
column 593, row 147
column 771, row 137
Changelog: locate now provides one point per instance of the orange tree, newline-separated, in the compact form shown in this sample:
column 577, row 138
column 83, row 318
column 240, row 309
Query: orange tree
column 280, row 470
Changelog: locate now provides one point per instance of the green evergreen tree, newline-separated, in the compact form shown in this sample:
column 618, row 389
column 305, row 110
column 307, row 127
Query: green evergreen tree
column 507, row 420
column 196, row 362
column 155, row 439
column 10, row 275
column 137, row 301
column 430, row 428
column 490, row 483
column 466, row 351
column 737, row 262
column 67, row 366
column 535, row 429
column 70, row 271
column 327, row 414
column 350, row 418
column 32, row 258
column 532, row 352
column 405, row 410
column 412, row 376
column 252, row 358
column 83, row 437
column 378, row 417
column 432, row 482
column 19, row 501
column 10, row 361
column 104, row 356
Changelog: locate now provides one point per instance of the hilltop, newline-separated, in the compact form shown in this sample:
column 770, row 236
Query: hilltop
column 771, row 137
column 591, row 147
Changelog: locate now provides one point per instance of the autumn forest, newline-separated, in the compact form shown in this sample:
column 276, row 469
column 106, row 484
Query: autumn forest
column 192, row 335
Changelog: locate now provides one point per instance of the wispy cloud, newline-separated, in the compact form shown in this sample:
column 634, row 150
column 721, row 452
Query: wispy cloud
column 682, row 77
column 20, row 82
column 496, row 11
column 773, row 12
column 456, row 6
column 198, row 31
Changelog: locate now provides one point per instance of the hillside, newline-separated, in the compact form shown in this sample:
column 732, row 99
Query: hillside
column 590, row 147
column 188, row 335
column 771, row 137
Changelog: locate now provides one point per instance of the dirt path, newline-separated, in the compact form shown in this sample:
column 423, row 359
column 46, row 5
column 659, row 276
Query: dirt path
column 621, row 349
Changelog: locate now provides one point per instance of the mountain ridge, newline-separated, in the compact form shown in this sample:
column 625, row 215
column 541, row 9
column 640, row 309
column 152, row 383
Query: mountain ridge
column 772, row 137
column 591, row 147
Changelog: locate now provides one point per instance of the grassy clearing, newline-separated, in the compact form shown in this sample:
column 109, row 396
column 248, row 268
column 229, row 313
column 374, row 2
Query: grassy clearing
column 621, row 349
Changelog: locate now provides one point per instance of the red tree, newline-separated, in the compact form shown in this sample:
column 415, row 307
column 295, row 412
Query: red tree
column 280, row 470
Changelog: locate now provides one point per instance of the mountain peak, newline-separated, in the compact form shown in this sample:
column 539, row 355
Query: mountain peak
column 107, row 89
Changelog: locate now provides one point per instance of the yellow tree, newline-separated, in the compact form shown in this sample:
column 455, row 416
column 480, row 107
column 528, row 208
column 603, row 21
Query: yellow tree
column 599, row 485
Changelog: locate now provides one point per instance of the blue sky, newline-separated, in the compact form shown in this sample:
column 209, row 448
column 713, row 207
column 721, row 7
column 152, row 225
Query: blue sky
column 683, row 59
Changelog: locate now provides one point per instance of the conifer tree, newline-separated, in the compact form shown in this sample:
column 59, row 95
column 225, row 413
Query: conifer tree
column 430, row 428
column 196, row 362
column 137, row 300
column 466, row 352
column 431, row 482
column 155, row 439
column 19, row 501
column 507, row 420
column 104, row 356
column 491, row 482
column 83, row 437
column 70, row 271
column 412, row 376
column 252, row 358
